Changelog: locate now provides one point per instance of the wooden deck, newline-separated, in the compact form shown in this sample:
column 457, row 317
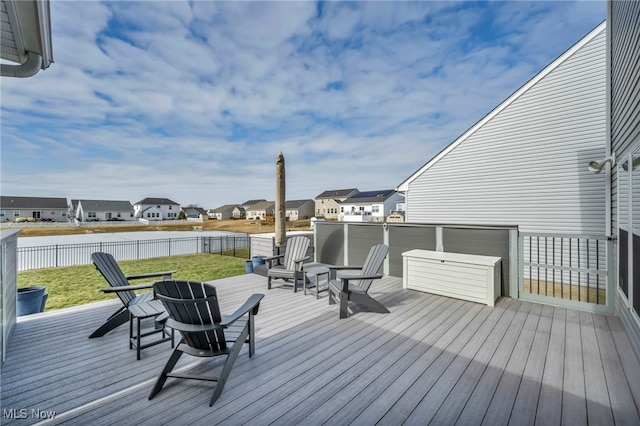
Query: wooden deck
column 431, row 360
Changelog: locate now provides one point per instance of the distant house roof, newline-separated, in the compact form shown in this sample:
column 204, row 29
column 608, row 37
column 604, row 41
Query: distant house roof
column 105, row 205
column 225, row 208
column 8, row 202
column 194, row 211
column 337, row 193
column 296, row 204
column 263, row 205
column 370, row 197
column 157, row 201
column 252, row 202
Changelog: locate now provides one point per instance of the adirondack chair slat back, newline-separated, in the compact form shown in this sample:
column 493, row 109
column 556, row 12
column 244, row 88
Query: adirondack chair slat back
column 372, row 264
column 108, row 267
column 296, row 249
column 193, row 302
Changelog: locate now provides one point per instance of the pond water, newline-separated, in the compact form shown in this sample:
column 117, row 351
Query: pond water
column 115, row 236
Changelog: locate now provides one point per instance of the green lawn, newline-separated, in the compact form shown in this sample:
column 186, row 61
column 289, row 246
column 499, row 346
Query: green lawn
column 77, row 285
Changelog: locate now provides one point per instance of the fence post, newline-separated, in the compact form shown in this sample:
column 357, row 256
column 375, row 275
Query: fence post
column 56, row 255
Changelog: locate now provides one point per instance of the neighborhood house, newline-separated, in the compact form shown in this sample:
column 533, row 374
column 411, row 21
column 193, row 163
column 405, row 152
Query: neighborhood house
column 156, row 209
column 33, row 209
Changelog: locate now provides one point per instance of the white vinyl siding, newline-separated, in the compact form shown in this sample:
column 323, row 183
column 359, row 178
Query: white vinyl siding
column 625, row 84
column 624, row 57
column 527, row 164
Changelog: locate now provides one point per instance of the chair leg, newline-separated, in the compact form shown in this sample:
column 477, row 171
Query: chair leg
column 252, row 339
column 228, row 364
column 369, row 302
column 116, row 320
column 131, row 332
column 268, row 282
column 173, row 360
column 344, row 299
column 138, row 340
column 332, row 300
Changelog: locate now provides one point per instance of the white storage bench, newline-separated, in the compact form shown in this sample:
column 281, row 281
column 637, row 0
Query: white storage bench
column 463, row 276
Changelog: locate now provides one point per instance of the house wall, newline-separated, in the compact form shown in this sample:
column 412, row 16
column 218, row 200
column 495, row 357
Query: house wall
column 54, row 215
column 238, row 214
column 164, row 212
column 82, row 215
column 329, row 208
column 305, row 211
column 527, row 164
column 228, row 214
column 623, row 18
column 253, row 214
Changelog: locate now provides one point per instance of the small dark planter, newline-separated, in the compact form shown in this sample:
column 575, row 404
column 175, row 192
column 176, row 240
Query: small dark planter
column 31, row 300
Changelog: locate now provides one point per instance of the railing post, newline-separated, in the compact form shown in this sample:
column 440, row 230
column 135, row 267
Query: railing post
column 514, row 264
column 611, row 277
column 521, row 265
column 439, row 238
column 345, row 261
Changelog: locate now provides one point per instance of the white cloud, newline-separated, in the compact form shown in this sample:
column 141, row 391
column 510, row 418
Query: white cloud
column 193, row 100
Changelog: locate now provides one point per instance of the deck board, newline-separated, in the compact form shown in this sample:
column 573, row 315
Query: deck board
column 431, row 360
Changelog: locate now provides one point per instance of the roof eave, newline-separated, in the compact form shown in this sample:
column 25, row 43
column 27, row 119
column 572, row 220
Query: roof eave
column 29, row 23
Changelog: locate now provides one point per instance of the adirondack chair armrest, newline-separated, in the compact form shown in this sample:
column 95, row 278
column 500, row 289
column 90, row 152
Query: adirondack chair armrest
column 191, row 328
column 349, row 277
column 341, row 268
column 269, row 260
column 164, row 274
column 346, row 278
column 301, row 260
column 334, row 268
column 252, row 304
column 127, row 288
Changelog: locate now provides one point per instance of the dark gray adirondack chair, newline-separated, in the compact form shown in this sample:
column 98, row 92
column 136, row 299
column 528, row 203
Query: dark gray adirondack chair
column 345, row 287
column 291, row 267
column 193, row 311
column 135, row 306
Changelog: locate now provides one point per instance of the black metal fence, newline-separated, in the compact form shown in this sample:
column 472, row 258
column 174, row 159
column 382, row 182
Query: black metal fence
column 80, row 254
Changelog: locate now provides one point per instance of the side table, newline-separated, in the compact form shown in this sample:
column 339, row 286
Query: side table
column 318, row 271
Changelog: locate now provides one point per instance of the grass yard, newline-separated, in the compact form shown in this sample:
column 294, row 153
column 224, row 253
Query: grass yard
column 77, row 285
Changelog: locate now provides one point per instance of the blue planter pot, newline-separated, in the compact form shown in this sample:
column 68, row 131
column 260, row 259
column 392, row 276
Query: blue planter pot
column 248, row 265
column 258, row 260
column 31, row 300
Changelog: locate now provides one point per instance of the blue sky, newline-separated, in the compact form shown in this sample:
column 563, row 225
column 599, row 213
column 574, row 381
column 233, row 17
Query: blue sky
column 193, row 100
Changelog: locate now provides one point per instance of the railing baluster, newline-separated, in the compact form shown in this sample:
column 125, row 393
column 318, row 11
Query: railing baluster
column 553, row 271
column 598, row 275
column 561, row 264
column 546, row 270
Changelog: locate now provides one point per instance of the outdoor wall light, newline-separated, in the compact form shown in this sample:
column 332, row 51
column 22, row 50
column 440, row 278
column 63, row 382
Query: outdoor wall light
column 597, row 166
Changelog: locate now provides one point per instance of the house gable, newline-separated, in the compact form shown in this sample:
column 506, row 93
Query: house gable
column 598, row 31
column 524, row 164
